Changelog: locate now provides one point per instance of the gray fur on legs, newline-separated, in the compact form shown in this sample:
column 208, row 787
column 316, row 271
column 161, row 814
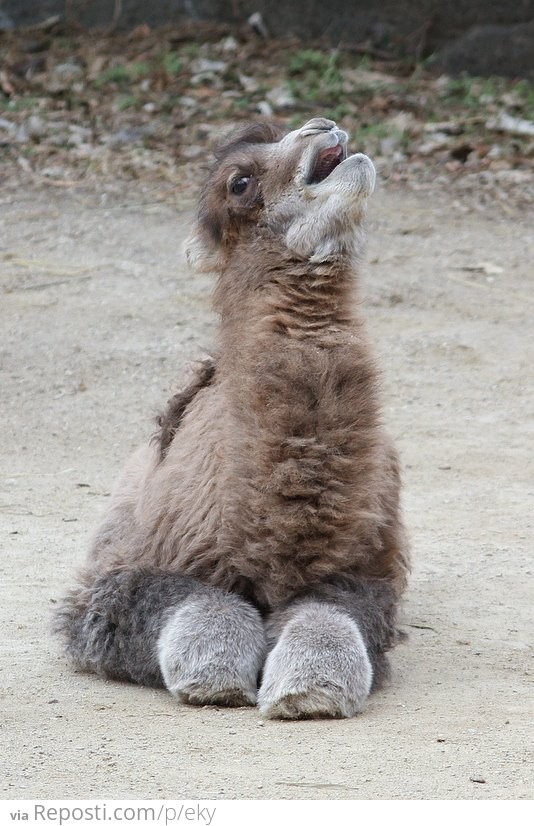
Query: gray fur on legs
column 111, row 625
column 318, row 668
column 211, row 650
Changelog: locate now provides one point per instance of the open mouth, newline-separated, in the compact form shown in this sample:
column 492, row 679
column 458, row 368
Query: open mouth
column 326, row 162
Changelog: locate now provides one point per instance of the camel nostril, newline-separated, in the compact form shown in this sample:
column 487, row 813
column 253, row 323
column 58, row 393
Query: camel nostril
column 316, row 125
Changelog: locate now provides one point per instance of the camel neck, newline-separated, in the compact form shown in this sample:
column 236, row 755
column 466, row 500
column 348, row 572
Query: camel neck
column 317, row 307
column 298, row 302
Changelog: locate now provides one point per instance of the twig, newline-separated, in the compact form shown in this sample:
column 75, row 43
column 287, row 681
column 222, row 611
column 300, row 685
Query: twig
column 370, row 51
column 33, row 475
column 423, row 627
column 38, row 263
column 47, row 284
column 45, row 25
column 117, row 11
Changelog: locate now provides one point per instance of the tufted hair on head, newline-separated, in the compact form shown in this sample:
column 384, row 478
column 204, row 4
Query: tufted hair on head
column 250, row 133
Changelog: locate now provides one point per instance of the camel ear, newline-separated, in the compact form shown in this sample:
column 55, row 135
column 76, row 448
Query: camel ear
column 202, row 256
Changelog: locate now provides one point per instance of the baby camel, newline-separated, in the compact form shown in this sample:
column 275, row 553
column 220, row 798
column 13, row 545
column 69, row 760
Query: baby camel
column 257, row 540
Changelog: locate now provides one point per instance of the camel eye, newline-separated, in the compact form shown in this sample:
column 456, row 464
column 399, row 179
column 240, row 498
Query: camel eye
column 239, row 185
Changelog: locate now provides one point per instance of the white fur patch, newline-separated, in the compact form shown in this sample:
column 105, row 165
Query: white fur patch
column 200, row 257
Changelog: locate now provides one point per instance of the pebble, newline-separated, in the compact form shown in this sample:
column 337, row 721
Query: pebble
column 281, row 97
column 389, row 145
column 265, row 108
column 129, row 134
column 188, row 102
column 64, row 75
column 439, row 140
column 202, row 66
column 55, row 172
column 35, row 127
column 249, row 84
column 7, row 126
column 257, row 22
column 229, row 44
column 79, row 136
column 511, row 125
column 191, row 152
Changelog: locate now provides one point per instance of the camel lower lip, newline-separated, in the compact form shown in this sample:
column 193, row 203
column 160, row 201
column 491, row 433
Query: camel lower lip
column 326, row 162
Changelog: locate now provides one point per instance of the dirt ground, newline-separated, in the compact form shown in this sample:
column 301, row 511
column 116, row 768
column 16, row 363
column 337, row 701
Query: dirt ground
column 98, row 315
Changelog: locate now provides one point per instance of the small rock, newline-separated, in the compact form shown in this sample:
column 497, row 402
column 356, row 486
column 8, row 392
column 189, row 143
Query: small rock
column 79, row 136
column 495, row 152
column 55, row 172
column 64, row 75
column 438, row 141
column 188, row 102
column 514, row 177
column 207, row 78
column 281, row 97
column 510, row 125
column 402, row 121
column 59, row 138
column 130, row 134
column 389, row 145
column 7, row 126
column 202, row 66
column 229, row 44
column 35, row 127
column 447, row 127
column 191, row 152
column 265, row 109
column 257, row 23
column 205, row 130
column 249, row 84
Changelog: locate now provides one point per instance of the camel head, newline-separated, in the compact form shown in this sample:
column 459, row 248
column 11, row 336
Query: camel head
column 300, row 190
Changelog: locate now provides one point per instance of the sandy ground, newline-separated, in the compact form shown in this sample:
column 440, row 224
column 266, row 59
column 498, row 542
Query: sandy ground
column 98, row 316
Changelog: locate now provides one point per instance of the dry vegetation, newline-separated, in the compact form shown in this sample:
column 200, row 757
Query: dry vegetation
column 149, row 105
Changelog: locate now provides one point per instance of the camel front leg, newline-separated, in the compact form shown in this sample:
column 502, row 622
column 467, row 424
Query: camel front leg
column 164, row 629
column 211, row 650
column 328, row 651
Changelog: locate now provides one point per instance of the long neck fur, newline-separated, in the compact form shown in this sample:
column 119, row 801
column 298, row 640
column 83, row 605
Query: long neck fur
column 299, row 383
column 276, row 293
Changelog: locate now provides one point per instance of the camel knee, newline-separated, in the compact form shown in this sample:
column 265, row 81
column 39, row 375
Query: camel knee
column 318, row 668
column 211, row 650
